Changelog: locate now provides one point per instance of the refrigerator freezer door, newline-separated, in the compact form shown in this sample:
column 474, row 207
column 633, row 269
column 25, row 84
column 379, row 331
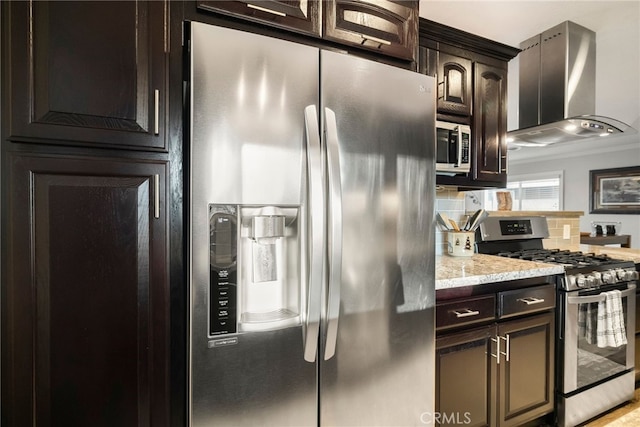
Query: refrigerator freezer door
column 248, row 98
column 382, row 369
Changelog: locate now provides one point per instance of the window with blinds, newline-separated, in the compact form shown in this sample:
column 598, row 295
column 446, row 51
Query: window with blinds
column 539, row 192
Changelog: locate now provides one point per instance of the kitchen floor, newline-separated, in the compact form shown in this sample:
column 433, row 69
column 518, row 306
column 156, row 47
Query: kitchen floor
column 626, row 415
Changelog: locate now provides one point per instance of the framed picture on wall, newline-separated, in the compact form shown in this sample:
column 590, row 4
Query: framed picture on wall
column 615, row 191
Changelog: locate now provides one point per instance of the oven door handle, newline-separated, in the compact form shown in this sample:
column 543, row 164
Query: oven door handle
column 631, row 290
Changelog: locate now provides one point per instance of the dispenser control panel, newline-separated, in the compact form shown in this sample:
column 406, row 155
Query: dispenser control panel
column 223, row 277
column 255, row 266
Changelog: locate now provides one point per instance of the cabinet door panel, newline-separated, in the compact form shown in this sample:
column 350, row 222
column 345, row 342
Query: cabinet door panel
column 454, row 85
column 526, row 379
column 386, row 26
column 296, row 15
column 88, row 71
column 489, row 124
column 465, row 378
column 85, row 313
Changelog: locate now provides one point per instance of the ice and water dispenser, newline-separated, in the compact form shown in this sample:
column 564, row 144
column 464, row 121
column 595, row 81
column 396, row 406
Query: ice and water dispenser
column 255, row 268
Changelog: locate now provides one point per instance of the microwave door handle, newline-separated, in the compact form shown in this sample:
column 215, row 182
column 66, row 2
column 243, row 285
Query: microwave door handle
column 459, row 129
column 335, row 233
column 315, row 238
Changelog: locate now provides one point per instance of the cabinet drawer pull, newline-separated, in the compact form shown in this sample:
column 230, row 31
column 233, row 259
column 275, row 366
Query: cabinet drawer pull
column 375, row 40
column 156, row 108
column 507, row 354
column 465, row 312
column 156, row 196
column 264, row 9
column 498, row 352
column 531, row 300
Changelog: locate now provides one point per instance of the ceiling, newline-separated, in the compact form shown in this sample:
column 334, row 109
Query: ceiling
column 511, row 22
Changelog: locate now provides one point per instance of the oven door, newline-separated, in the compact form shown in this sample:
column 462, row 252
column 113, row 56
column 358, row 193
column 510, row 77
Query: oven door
column 592, row 341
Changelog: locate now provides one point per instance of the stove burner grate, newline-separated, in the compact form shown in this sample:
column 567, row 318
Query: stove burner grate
column 560, row 256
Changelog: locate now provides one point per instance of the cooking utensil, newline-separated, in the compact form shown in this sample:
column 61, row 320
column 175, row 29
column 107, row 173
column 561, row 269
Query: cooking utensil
column 471, row 220
column 454, row 224
column 481, row 217
column 443, row 220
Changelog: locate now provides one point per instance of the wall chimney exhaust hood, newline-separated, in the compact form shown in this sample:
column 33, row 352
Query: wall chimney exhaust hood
column 557, row 89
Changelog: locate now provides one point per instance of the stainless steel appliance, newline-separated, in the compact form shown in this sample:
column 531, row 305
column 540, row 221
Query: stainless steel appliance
column 453, row 148
column 595, row 317
column 311, row 235
column 557, row 85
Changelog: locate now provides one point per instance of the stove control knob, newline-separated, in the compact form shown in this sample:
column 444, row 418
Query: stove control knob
column 630, row 274
column 609, row 277
column 621, row 274
column 581, row 280
column 590, row 280
column 597, row 278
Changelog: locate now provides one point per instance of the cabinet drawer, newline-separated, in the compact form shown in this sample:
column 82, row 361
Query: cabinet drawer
column 465, row 312
column 527, row 300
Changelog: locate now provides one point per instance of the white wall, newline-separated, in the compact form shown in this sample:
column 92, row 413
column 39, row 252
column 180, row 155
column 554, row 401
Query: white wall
column 576, row 167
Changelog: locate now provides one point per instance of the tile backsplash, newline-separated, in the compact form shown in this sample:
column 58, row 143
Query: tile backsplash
column 452, row 203
column 564, row 226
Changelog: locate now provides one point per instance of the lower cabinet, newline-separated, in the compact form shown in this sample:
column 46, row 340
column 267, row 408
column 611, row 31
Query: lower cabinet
column 466, row 378
column 501, row 374
column 526, row 371
column 85, row 299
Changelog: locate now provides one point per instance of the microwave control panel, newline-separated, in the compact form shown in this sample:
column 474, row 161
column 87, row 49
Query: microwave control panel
column 465, row 143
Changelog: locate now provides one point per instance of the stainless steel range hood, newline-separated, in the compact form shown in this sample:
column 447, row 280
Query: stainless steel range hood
column 557, row 89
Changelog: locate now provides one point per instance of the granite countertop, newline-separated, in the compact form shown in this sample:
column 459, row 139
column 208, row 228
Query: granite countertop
column 548, row 214
column 453, row 272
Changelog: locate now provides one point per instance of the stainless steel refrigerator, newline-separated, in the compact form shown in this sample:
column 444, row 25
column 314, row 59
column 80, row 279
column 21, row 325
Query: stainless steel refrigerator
column 311, row 236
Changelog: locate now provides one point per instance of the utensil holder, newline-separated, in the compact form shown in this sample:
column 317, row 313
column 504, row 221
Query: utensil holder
column 461, row 243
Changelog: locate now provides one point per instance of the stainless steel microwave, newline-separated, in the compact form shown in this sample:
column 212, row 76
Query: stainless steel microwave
column 453, row 148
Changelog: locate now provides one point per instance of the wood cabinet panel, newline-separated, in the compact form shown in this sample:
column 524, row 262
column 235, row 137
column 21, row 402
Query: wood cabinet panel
column 89, row 72
column 489, row 130
column 85, row 314
column 454, row 85
column 526, row 377
column 502, row 373
column 466, row 378
column 295, row 15
column 386, row 26
column 449, row 53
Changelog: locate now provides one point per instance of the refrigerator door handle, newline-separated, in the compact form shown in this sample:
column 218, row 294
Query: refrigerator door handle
column 316, row 238
column 335, row 233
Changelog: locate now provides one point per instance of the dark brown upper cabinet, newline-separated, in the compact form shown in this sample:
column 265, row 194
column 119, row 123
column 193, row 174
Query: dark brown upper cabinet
column 471, row 73
column 385, row 26
column 88, row 72
column 489, row 126
column 454, row 84
column 300, row 16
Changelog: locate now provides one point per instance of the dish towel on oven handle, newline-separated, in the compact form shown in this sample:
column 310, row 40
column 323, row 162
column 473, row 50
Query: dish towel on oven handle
column 602, row 323
column 587, row 321
column 610, row 325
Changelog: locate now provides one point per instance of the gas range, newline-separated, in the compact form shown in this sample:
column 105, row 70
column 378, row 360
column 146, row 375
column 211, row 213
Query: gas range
column 521, row 238
column 582, row 270
column 596, row 300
